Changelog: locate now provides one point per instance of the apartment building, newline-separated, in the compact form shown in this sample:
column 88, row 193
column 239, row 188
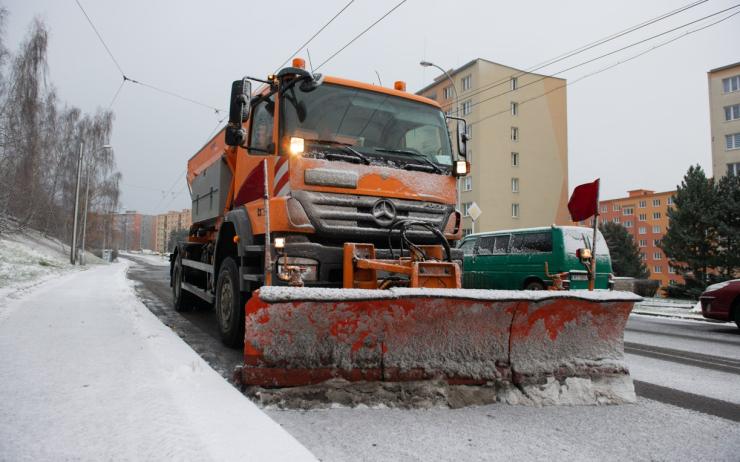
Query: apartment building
column 724, row 117
column 644, row 214
column 518, row 144
column 133, row 231
column 166, row 223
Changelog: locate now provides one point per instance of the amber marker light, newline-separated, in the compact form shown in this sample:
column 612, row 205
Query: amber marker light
column 399, row 85
column 297, row 145
column 300, row 63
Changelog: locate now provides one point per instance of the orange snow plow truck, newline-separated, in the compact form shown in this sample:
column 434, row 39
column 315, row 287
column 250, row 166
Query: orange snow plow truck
column 323, row 216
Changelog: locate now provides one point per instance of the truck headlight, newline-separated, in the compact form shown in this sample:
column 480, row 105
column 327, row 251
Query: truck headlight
column 308, row 267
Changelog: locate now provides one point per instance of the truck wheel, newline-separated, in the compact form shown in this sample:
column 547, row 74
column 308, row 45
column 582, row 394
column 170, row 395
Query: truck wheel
column 230, row 305
column 534, row 285
column 182, row 299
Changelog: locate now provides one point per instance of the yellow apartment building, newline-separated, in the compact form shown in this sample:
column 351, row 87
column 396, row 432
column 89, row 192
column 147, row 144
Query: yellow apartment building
column 517, row 123
column 171, row 221
column 724, row 118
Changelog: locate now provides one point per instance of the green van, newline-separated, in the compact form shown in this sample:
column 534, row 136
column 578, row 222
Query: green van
column 515, row 259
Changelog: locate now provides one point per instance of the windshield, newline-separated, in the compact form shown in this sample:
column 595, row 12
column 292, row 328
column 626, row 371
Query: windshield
column 375, row 124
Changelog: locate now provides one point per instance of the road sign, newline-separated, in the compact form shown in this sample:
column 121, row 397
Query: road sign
column 474, row 211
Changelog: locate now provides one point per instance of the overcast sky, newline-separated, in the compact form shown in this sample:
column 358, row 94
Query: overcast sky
column 638, row 125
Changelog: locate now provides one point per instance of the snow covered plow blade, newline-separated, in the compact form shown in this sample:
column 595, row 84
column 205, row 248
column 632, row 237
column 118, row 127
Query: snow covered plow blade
column 538, row 342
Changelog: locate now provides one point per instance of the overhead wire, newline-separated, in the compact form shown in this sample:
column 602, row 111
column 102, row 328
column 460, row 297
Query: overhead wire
column 611, row 66
column 583, row 48
column 387, row 13
column 315, row 35
column 631, row 45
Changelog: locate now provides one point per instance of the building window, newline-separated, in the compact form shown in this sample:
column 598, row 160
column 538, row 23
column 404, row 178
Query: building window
column 514, row 134
column 642, row 230
column 671, row 270
column 628, row 224
column 514, row 108
column 732, row 141
column 643, row 243
column 514, row 159
column 657, row 269
column 733, row 169
column 515, row 185
column 466, row 208
column 731, row 84
column 656, row 215
column 643, row 217
column 468, row 183
column 466, row 82
column 656, row 242
column 466, row 231
column 469, row 131
column 467, row 107
column 615, row 219
column 642, row 204
column 643, row 256
column 615, row 207
column 514, row 83
column 514, row 210
column 628, row 211
column 656, row 229
column 732, row 112
column 604, row 209
column 670, row 201
column 448, row 92
column 657, row 256
column 656, row 202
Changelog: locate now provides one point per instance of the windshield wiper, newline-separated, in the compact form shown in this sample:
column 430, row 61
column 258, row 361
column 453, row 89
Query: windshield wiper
column 345, row 147
column 418, row 155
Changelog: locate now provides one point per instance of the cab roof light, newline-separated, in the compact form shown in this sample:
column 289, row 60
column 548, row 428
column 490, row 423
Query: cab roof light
column 300, row 63
column 399, row 85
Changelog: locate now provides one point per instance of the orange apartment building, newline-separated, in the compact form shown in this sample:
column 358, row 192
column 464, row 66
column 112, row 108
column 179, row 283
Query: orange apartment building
column 645, row 215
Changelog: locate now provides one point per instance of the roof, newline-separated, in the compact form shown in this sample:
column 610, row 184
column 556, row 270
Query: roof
column 471, row 63
column 729, row 66
column 529, row 230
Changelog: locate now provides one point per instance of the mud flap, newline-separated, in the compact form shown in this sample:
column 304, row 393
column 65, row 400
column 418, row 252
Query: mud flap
column 301, row 336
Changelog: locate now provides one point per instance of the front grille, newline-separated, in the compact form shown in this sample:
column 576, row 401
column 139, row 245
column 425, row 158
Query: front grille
column 342, row 215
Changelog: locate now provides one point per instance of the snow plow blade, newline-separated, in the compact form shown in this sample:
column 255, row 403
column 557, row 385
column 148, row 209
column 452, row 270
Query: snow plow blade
column 302, row 336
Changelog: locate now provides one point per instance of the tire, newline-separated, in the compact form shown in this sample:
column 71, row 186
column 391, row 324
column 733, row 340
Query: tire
column 229, row 305
column 534, row 285
column 182, row 300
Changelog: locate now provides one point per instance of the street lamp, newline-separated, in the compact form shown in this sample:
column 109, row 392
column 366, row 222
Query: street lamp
column 457, row 108
column 87, row 200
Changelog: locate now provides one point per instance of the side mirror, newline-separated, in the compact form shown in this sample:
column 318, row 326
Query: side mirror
column 462, row 139
column 241, row 94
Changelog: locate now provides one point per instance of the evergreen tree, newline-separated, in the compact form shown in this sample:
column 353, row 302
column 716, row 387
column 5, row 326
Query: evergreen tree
column 626, row 260
column 691, row 240
column 728, row 227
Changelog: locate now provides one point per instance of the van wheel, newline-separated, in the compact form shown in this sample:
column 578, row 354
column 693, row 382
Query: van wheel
column 229, row 305
column 534, row 285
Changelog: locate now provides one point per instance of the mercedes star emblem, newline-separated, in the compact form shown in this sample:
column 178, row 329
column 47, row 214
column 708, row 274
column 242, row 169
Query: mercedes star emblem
column 384, row 212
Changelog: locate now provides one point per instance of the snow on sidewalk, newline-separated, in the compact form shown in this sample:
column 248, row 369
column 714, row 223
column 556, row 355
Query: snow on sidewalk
column 88, row 373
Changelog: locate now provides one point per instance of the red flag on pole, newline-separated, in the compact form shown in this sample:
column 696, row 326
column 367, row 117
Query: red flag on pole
column 584, row 202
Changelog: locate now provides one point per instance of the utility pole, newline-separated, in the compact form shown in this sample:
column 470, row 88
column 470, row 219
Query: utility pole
column 73, row 248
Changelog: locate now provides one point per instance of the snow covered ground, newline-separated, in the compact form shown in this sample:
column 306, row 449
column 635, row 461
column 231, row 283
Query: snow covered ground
column 151, row 258
column 89, row 373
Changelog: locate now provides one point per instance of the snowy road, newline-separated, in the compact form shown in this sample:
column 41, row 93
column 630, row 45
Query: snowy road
column 687, row 376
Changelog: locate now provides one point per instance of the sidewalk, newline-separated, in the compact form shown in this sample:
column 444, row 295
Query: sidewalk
column 88, row 373
column 669, row 308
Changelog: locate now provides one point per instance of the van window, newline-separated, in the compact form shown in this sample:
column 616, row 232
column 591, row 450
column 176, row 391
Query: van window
column 502, row 244
column 486, row 245
column 532, row 242
column 467, row 246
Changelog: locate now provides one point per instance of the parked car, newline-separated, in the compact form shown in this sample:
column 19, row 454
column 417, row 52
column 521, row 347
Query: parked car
column 515, row 259
column 721, row 301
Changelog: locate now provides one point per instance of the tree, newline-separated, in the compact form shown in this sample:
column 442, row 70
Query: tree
column 691, row 240
column 176, row 235
column 727, row 260
column 626, row 259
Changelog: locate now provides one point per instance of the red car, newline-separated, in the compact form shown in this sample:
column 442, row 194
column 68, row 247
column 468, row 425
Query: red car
column 722, row 301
